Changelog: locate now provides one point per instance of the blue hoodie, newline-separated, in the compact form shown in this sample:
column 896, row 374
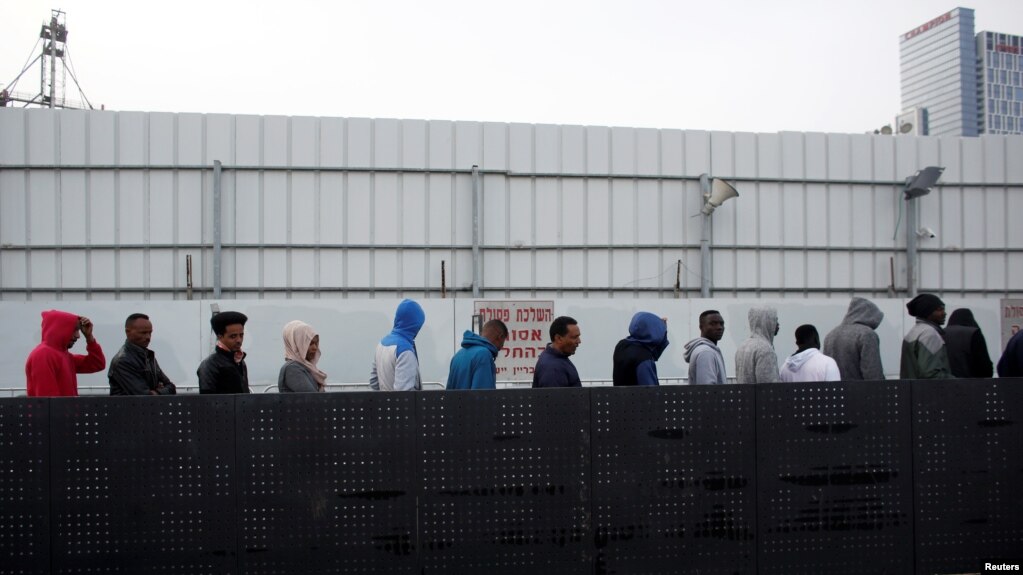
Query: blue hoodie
column 396, row 365
column 635, row 357
column 473, row 366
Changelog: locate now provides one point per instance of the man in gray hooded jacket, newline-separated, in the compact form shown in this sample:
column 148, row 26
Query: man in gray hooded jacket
column 706, row 364
column 755, row 360
column 854, row 344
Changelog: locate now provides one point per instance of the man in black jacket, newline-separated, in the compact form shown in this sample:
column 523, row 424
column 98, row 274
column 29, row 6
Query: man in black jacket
column 134, row 370
column 224, row 370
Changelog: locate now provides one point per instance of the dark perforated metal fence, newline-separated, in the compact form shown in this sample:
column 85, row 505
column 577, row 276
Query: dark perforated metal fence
column 881, row 477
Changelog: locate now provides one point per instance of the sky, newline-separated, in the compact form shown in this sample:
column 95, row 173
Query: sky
column 726, row 65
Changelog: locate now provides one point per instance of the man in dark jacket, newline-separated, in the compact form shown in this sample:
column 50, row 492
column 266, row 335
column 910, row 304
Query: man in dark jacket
column 854, row 344
column 224, row 370
column 553, row 368
column 473, row 366
column 1011, row 363
column 635, row 357
column 967, row 348
column 134, row 370
column 924, row 355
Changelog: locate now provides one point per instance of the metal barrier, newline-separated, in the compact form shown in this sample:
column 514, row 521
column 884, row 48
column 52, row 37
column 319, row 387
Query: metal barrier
column 871, row 477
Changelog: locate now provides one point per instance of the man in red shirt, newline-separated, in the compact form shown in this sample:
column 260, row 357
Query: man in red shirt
column 51, row 369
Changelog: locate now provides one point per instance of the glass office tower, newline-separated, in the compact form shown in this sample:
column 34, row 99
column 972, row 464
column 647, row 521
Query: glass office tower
column 1000, row 90
column 939, row 73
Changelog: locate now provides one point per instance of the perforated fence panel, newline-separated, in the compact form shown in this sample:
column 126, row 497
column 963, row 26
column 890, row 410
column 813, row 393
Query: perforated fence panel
column 835, row 477
column 674, row 479
column 138, row 485
column 330, row 483
column 505, row 482
column 870, row 477
column 24, row 486
column 968, row 473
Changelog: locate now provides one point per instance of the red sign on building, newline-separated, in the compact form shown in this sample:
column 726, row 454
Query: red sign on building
column 936, row 22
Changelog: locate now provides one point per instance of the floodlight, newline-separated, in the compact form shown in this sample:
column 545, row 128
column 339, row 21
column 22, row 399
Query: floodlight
column 920, row 183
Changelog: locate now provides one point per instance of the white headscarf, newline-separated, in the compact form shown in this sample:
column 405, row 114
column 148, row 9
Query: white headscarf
column 297, row 337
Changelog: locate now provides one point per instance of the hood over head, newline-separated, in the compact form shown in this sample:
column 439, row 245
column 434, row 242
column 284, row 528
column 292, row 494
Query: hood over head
column 58, row 327
column 409, row 319
column 650, row 331
column 763, row 321
column 962, row 316
column 472, row 339
column 863, row 312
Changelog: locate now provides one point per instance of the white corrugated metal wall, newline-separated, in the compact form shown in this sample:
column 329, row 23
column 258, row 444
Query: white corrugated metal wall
column 108, row 205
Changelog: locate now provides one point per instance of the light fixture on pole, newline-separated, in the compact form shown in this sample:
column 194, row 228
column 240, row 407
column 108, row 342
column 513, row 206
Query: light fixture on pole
column 715, row 193
column 919, row 184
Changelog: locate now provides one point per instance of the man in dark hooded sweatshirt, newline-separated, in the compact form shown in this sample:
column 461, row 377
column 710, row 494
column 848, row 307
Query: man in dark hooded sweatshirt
column 1011, row 363
column 854, row 344
column 635, row 357
column 473, row 366
column 756, row 360
column 924, row 355
column 967, row 348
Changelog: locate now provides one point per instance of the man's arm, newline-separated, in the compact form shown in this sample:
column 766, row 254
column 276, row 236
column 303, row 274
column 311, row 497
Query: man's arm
column 166, row 387
column 406, row 372
column 870, row 359
column 646, row 373
column 127, row 378
column 766, row 367
column 374, row 383
column 94, row 361
column 482, row 373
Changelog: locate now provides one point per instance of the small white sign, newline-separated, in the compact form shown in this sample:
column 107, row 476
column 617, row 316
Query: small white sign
column 528, row 333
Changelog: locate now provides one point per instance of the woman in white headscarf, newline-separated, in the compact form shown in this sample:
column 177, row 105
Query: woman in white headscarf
column 301, row 354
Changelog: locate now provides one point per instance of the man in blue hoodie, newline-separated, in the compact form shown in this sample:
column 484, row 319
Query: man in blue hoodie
column 396, row 366
column 635, row 357
column 473, row 366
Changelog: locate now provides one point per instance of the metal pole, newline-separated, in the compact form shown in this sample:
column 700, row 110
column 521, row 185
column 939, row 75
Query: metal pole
column 705, row 242
column 216, row 229
column 188, row 274
column 911, row 247
column 53, row 60
column 475, row 231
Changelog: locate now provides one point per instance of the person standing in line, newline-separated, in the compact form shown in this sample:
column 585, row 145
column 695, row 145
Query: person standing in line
column 854, row 344
column 967, row 348
column 1011, row 362
column 301, row 355
column 134, row 369
column 706, row 362
column 396, row 362
column 924, row 355
column 51, row 370
column 756, row 360
column 635, row 358
column 224, row 371
column 473, row 366
column 808, row 363
column 553, row 368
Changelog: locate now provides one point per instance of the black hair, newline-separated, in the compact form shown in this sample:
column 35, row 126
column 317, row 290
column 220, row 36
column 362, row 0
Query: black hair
column 131, row 318
column 807, row 336
column 706, row 313
column 560, row 325
column 220, row 321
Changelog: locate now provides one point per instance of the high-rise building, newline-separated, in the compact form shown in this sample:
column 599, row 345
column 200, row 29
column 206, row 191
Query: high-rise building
column 959, row 83
column 1000, row 95
column 939, row 73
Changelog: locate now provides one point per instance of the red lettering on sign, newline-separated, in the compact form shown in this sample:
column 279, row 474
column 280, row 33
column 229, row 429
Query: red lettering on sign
column 921, row 29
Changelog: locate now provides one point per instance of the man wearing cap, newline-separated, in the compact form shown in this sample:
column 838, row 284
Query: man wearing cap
column 923, row 349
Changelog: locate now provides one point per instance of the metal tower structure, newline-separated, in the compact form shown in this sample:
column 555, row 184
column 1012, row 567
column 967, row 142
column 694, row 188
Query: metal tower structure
column 54, row 68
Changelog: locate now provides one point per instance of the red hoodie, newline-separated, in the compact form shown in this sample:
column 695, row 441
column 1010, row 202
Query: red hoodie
column 50, row 369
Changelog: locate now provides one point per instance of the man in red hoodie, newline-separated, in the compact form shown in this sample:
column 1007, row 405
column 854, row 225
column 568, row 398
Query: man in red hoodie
column 51, row 369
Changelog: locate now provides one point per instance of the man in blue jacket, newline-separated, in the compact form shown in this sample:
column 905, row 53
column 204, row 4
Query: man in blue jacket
column 635, row 357
column 473, row 366
column 553, row 368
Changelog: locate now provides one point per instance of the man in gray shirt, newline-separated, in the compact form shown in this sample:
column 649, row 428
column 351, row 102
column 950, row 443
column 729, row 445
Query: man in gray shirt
column 706, row 364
